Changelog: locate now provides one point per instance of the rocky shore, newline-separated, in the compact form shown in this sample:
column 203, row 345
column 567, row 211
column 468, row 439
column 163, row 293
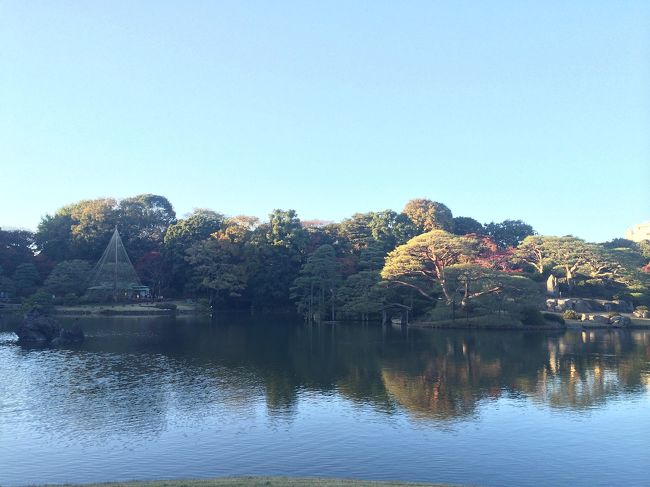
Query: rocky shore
column 42, row 330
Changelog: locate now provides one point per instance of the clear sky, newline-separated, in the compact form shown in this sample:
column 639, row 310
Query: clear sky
column 529, row 110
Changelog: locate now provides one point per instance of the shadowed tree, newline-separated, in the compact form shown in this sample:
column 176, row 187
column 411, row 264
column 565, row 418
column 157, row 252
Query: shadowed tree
column 143, row 221
column 218, row 267
column 16, row 247
column 315, row 288
column 25, row 279
column 465, row 226
column 69, row 277
column 279, row 251
column 508, row 233
column 180, row 236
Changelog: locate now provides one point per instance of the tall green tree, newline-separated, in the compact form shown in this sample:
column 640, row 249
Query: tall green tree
column 7, row 286
column 285, row 230
column 26, row 279
column 182, row 235
column 465, row 226
column 357, row 231
column 508, row 233
column 219, row 268
column 361, row 294
column 53, row 236
column 69, row 277
column 315, row 288
column 143, row 221
column 279, row 249
column 429, row 215
column 16, row 248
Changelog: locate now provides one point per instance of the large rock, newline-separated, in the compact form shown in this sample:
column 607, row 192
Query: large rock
column 620, row 321
column 599, row 319
column 642, row 313
column 618, row 305
column 551, row 285
column 576, row 304
column 38, row 329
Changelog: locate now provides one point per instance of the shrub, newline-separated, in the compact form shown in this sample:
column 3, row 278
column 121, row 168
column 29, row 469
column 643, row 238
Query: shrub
column 171, row 306
column 39, row 301
column 554, row 318
column 642, row 308
column 89, row 299
column 571, row 314
column 71, row 299
column 531, row 316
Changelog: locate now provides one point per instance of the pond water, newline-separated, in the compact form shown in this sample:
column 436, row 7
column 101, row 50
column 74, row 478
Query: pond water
column 153, row 398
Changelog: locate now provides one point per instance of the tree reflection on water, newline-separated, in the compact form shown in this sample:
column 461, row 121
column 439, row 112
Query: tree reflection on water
column 130, row 372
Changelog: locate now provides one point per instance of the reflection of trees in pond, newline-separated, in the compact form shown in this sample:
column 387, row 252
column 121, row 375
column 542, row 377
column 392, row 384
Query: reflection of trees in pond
column 586, row 369
column 140, row 371
column 443, row 380
column 448, row 377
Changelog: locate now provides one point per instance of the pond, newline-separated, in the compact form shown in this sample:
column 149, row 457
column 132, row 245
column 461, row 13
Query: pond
column 152, row 398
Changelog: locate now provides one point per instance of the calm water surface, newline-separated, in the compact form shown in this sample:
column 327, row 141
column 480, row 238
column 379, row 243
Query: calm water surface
column 157, row 398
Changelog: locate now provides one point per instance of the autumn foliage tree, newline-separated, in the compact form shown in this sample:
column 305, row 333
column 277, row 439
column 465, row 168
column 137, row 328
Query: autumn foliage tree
column 429, row 215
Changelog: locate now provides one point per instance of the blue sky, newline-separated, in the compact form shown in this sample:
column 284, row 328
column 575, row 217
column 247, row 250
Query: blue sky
column 532, row 110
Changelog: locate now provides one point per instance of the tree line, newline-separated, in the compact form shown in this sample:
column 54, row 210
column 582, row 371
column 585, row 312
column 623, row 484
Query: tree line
column 421, row 257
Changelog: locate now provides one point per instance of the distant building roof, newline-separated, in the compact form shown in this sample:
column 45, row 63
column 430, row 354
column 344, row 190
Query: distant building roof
column 639, row 232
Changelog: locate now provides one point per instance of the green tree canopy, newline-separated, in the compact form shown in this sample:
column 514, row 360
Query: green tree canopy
column 69, row 277
column 315, row 288
column 429, row 215
column 81, row 230
column 422, row 262
column 465, row 226
column 26, row 278
column 508, row 233
column 143, row 221
column 218, row 267
column 182, row 235
column 16, row 247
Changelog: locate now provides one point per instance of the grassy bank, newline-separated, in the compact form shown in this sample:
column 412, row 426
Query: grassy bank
column 262, row 482
column 129, row 309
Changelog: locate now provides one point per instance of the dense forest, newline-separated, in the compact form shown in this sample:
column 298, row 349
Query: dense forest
column 422, row 257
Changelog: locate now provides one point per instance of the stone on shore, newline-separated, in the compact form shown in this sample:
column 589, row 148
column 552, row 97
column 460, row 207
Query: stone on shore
column 38, row 329
column 620, row 321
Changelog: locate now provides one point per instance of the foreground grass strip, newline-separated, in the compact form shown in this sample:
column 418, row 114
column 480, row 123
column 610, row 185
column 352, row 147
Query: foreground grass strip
column 263, row 482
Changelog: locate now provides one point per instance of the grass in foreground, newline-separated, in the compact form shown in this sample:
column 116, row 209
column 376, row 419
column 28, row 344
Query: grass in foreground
column 262, row 482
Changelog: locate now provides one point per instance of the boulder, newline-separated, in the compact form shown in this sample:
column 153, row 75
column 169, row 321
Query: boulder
column 618, row 305
column 599, row 319
column 576, row 304
column 551, row 285
column 39, row 329
column 551, row 305
column 620, row 321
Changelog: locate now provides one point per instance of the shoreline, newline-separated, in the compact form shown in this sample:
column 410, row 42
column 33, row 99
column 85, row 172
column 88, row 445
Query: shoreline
column 182, row 308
